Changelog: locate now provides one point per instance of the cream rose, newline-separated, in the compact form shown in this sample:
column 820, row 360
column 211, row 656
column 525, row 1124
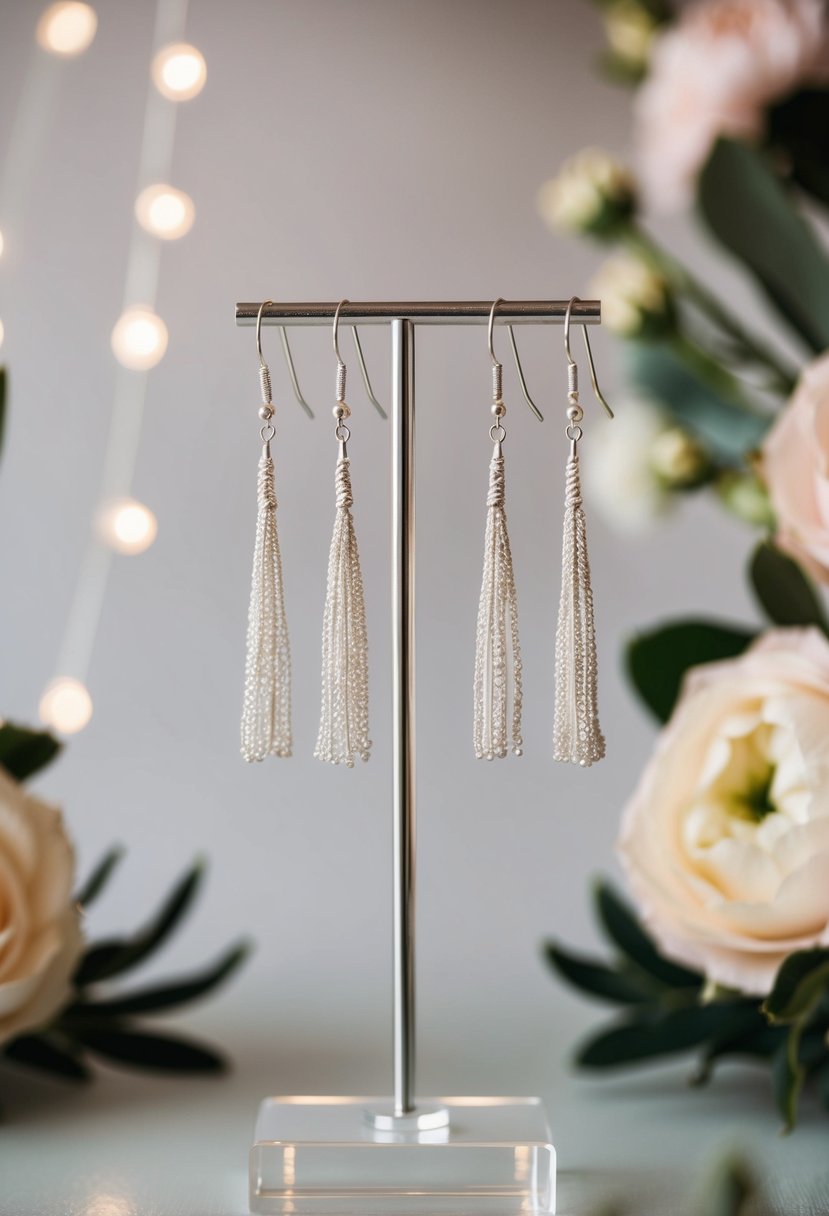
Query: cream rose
column 726, row 839
column 715, row 73
column 40, row 937
column 795, row 467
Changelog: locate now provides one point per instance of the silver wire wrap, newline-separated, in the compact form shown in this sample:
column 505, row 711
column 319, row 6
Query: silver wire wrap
column 343, row 729
column 265, row 383
column 573, row 383
column 341, row 381
column 577, row 735
column 497, row 649
column 497, row 383
column 266, row 714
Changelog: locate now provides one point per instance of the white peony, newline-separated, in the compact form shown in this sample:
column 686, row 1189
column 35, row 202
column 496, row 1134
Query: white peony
column 592, row 193
column 40, row 937
column 726, row 839
column 636, row 300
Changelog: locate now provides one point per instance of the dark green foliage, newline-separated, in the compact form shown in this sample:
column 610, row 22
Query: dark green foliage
column 657, row 661
column 24, row 752
column 667, row 1009
column 103, row 1025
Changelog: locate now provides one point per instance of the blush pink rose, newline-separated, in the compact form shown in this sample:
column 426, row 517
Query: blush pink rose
column 726, row 839
column 795, row 467
column 714, row 73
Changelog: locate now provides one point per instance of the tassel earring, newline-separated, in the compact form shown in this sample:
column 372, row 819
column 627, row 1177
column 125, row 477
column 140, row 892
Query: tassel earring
column 577, row 735
column 266, row 715
column 497, row 649
column 343, row 729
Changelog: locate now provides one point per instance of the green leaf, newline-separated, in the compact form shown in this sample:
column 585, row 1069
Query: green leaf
column 799, row 126
column 760, row 1044
column 99, row 877
column 596, row 978
column 657, row 661
column 645, row 1036
column 24, row 752
column 164, row 1053
column 787, row 1077
column 622, row 927
column 798, row 986
column 754, row 216
column 725, row 429
column 161, row 997
column 783, row 591
column 47, row 1054
column 111, row 958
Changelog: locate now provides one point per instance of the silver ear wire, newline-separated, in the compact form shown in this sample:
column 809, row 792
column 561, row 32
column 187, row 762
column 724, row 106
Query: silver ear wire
column 264, row 370
column 594, row 380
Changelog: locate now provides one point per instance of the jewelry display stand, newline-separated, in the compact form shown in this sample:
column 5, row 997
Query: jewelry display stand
column 354, row 1156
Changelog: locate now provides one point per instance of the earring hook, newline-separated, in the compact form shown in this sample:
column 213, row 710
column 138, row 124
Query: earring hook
column 360, row 358
column 286, row 351
column 516, row 357
column 594, row 380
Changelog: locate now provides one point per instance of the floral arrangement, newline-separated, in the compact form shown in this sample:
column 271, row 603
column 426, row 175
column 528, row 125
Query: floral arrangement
column 725, row 841
column 60, row 1004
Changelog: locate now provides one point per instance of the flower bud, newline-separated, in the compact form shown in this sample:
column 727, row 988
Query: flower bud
column 745, row 496
column 630, row 28
column 679, row 460
column 593, row 193
column 636, row 299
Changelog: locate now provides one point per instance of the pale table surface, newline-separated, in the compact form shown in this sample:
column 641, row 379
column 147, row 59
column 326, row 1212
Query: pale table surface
column 140, row 1146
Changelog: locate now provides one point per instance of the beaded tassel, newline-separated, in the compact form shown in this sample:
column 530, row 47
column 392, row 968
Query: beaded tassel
column 266, row 717
column 497, row 651
column 343, row 731
column 577, row 736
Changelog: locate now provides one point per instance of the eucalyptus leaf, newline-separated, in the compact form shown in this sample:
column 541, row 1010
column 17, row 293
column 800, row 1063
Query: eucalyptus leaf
column 657, row 661
column 113, row 957
column 758, row 1042
column 163, row 996
column 783, row 591
column 164, row 1053
column 798, row 985
column 622, row 927
column 725, row 429
column 753, row 215
column 47, row 1054
column 24, row 752
column 99, row 877
column 596, row 978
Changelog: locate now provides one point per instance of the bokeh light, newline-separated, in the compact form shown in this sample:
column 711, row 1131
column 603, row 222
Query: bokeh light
column 67, row 29
column 139, row 339
column 127, row 526
column 66, row 705
column 165, row 212
column 179, row 71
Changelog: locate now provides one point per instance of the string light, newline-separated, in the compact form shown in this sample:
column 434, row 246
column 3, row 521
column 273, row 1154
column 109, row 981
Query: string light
column 67, row 29
column 179, row 71
column 139, row 339
column 66, row 705
column 127, row 526
column 165, row 212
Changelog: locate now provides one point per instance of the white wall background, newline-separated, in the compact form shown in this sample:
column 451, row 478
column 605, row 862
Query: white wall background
column 361, row 149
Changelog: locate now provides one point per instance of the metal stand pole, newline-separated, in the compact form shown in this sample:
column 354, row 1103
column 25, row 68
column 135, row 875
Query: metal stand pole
column 403, row 650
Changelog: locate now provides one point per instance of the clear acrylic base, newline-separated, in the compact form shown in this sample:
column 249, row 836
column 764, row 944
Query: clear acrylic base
column 319, row 1156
